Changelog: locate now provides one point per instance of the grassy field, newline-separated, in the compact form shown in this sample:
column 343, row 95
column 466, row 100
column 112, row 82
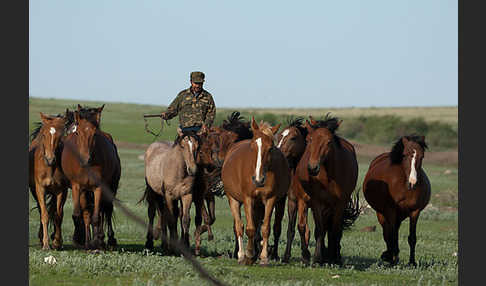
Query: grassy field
column 437, row 234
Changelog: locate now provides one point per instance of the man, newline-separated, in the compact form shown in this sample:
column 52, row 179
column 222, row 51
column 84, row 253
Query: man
column 195, row 106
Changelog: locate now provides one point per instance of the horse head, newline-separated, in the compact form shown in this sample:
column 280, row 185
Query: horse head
column 291, row 141
column 84, row 131
column 262, row 144
column 319, row 140
column 412, row 153
column 51, row 133
column 214, row 149
column 190, row 142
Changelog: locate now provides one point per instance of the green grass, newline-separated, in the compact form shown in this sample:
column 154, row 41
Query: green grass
column 437, row 234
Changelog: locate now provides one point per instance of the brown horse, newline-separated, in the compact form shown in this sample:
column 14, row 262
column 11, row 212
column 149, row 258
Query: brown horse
column 324, row 179
column 396, row 187
column 90, row 161
column 46, row 179
column 170, row 171
column 210, row 160
column 256, row 174
column 292, row 142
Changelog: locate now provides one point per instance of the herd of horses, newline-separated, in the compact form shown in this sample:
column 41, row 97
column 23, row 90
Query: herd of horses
column 306, row 165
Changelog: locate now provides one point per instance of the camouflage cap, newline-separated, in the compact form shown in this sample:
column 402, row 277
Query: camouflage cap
column 197, row 77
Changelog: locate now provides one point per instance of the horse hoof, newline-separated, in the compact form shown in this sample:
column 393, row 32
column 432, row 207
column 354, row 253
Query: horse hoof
column 248, row 260
column 46, row 247
column 56, row 244
column 264, row 262
column 286, row 259
column 241, row 260
column 149, row 244
column 387, row 257
column 412, row 264
column 112, row 243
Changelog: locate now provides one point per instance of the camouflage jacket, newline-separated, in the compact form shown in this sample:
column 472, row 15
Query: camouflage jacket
column 192, row 110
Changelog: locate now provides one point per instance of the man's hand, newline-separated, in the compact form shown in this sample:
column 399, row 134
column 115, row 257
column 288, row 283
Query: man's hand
column 163, row 115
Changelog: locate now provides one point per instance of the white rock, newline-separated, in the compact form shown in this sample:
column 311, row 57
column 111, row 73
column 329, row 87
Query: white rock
column 335, row 276
column 50, row 259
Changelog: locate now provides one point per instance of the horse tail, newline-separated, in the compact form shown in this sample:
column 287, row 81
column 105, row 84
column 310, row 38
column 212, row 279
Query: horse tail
column 351, row 211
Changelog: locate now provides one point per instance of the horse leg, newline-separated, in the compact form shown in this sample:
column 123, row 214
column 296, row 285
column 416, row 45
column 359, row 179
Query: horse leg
column 335, row 235
column 387, row 255
column 303, row 231
column 186, row 217
column 149, row 242
column 112, row 243
column 277, row 227
column 86, row 218
column 396, row 250
column 98, row 235
column 319, row 232
column 270, row 203
column 172, row 213
column 40, row 191
column 412, row 237
column 292, row 213
column 211, row 215
column 78, row 236
column 250, row 231
column 199, row 205
column 238, row 228
column 60, row 201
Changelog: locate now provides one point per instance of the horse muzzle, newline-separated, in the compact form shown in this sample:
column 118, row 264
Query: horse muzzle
column 260, row 183
column 313, row 170
column 50, row 161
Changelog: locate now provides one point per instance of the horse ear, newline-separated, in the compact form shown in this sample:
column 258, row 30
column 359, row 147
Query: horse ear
column 339, row 122
column 76, row 117
column 79, row 107
column 276, row 128
column 422, row 138
column 254, row 125
column 101, row 108
column 43, row 117
column 179, row 131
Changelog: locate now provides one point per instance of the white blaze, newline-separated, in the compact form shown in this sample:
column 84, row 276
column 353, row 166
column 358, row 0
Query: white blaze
column 259, row 159
column 75, row 127
column 412, row 179
column 190, row 146
column 52, row 131
column 284, row 133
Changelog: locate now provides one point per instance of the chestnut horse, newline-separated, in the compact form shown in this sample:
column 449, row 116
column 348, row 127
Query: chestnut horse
column 325, row 179
column 210, row 160
column 170, row 171
column 396, row 187
column 292, row 142
column 256, row 174
column 91, row 163
column 46, row 179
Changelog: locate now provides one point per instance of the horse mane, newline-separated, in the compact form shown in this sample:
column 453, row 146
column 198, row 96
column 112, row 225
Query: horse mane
column 396, row 154
column 298, row 123
column 191, row 133
column 85, row 112
column 266, row 129
column 235, row 123
column 329, row 122
column 332, row 124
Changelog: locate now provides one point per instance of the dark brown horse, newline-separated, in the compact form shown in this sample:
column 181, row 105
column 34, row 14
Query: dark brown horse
column 292, row 142
column 47, row 182
column 396, row 187
column 91, row 163
column 256, row 174
column 324, row 180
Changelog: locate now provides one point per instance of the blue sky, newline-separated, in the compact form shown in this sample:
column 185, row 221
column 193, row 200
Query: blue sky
column 254, row 53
